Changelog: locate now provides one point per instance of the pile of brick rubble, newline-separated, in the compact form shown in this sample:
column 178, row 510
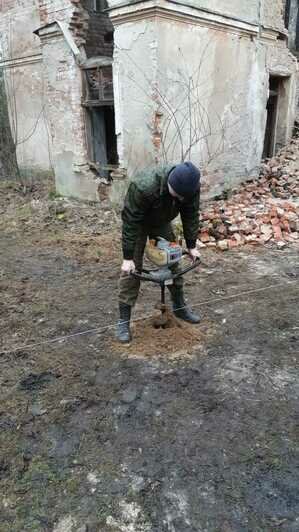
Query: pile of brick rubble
column 261, row 211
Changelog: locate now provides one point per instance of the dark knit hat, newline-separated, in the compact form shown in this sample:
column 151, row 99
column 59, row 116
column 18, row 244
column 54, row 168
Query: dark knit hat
column 184, row 179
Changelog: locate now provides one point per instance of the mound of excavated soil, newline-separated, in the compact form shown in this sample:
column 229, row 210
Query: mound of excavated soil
column 178, row 338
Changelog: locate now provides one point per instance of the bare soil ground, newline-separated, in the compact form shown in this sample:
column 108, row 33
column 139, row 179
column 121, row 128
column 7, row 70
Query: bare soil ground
column 188, row 429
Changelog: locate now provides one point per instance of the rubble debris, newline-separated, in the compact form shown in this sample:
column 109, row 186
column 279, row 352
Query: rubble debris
column 258, row 212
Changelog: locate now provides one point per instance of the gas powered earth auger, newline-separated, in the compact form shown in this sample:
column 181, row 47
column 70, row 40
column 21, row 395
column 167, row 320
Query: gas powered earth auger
column 164, row 254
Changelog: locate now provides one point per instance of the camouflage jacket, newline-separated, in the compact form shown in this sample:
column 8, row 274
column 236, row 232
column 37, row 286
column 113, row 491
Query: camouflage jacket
column 148, row 206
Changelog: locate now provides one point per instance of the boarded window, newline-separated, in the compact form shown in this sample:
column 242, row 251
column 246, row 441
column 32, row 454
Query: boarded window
column 99, row 86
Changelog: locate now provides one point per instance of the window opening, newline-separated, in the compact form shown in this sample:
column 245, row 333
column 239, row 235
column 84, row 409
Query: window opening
column 100, row 5
column 99, row 103
column 99, row 86
column 96, row 5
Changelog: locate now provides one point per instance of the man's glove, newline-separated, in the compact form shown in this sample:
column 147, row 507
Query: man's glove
column 194, row 254
column 128, row 266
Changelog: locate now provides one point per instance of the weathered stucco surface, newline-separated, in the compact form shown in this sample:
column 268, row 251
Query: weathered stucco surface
column 21, row 61
column 267, row 12
column 228, row 71
column 247, row 11
column 182, row 68
column 44, row 85
column 65, row 116
column 272, row 14
column 233, row 102
column 293, row 39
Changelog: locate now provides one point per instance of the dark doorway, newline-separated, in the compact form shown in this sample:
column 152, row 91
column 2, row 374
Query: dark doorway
column 104, row 146
column 111, row 142
column 287, row 13
column 272, row 110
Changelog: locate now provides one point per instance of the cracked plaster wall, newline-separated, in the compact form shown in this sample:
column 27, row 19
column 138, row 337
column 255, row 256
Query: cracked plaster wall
column 221, row 92
column 46, row 83
column 233, row 102
column 64, row 77
column 272, row 14
column 269, row 13
column 247, row 10
column 137, row 123
column 66, row 117
column 234, row 85
column 21, row 60
column 37, row 101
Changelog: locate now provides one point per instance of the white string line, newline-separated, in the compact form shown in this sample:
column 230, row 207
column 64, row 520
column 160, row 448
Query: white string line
column 144, row 317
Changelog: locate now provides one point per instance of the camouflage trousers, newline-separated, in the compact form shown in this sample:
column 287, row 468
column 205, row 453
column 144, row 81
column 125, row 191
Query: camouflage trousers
column 128, row 285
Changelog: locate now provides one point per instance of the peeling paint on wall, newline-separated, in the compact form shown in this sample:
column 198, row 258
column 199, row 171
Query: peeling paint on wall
column 233, row 85
column 46, row 83
column 191, row 80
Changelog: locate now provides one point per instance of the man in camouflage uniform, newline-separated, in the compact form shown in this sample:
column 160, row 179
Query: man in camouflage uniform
column 153, row 200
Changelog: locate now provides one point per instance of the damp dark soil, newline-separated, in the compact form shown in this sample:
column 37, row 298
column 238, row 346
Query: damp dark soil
column 187, row 429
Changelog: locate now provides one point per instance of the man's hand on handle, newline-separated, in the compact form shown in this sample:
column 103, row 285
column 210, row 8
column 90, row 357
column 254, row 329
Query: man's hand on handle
column 128, row 266
column 194, row 254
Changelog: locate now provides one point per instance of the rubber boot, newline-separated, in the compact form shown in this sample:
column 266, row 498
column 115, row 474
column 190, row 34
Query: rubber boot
column 180, row 308
column 123, row 333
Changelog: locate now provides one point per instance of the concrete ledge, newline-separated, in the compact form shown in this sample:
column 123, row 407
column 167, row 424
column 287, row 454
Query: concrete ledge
column 59, row 29
column 21, row 61
column 48, row 31
column 179, row 12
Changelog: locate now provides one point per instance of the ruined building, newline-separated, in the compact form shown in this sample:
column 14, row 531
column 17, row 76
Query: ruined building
column 100, row 88
column 57, row 57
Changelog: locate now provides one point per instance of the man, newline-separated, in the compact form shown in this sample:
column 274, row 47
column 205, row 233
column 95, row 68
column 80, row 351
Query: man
column 153, row 200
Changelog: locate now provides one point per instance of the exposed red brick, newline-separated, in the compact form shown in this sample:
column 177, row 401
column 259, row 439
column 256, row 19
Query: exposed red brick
column 232, row 243
column 275, row 221
column 277, row 232
column 204, row 237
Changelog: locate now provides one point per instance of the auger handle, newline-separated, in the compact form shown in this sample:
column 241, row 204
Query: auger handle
column 195, row 264
column 145, row 276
